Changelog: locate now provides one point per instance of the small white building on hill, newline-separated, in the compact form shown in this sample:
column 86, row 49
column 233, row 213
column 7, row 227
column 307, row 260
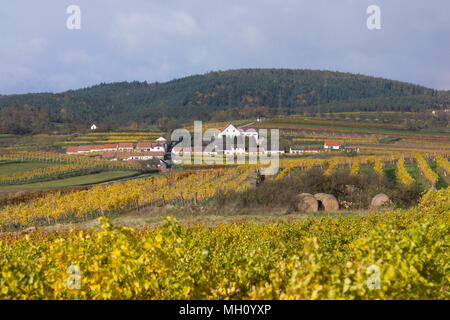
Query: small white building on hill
column 332, row 145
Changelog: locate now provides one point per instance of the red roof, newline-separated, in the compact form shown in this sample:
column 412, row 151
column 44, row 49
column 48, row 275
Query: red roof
column 144, row 145
column 84, row 148
column 225, row 127
column 126, row 145
column 103, row 146
column 72, row 149
column 333, row 143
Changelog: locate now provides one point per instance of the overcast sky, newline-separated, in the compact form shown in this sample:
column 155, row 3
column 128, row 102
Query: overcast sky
column 159, row 40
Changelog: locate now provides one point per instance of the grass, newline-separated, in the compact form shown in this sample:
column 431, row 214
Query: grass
column 415, row 172
column 11, row 167
column 104, row 176
column 192, row 216
column 154, row 220
column 443, row 181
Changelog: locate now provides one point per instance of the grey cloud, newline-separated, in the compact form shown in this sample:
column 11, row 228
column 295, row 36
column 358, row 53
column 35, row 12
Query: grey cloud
column 161, row 40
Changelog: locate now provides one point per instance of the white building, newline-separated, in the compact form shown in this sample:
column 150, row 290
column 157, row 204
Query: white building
column 332, row 145
column 150, row 146
column 93, row 127
column 231, row 131
column 304, row 149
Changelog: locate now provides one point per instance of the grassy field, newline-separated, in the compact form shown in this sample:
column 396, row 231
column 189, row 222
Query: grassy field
column 8, row 168
column 74, row 181
column 194, row 216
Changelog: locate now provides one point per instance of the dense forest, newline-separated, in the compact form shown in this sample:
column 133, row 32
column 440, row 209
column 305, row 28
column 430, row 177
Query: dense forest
column 220, row 96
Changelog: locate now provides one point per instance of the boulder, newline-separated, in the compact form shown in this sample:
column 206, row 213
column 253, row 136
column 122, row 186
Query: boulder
column 380, row 200
column 327, row 202
column 305, row 202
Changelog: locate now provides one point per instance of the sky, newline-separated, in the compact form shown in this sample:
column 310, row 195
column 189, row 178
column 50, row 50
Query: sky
column 160, row 40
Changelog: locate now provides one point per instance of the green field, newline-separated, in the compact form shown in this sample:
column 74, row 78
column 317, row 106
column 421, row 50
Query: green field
column 74, row 181
column 8, row 167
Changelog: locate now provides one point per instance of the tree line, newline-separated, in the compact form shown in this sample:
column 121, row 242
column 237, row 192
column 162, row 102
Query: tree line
column 221, row 96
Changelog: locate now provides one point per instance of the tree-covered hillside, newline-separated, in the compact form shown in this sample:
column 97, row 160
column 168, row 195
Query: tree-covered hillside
column 215, row 95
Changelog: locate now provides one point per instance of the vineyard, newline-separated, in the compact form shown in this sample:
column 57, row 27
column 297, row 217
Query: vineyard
column 395, row 255
column 41, row 167
column 444, row 164
column 429, row 174
column 402, row 174
column 378, row 167
column 194, row 186
column 115, row 197
column 352, row 253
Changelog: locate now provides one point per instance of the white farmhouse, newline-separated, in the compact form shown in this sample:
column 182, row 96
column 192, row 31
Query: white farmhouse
column 332, row 145
column 93, row 127
column 231, row 131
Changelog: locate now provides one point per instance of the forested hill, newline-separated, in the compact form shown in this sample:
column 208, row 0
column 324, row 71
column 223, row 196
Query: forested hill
column 215, row 95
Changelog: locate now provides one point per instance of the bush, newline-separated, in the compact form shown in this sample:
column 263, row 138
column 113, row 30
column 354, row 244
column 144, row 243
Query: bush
column 356, row 189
